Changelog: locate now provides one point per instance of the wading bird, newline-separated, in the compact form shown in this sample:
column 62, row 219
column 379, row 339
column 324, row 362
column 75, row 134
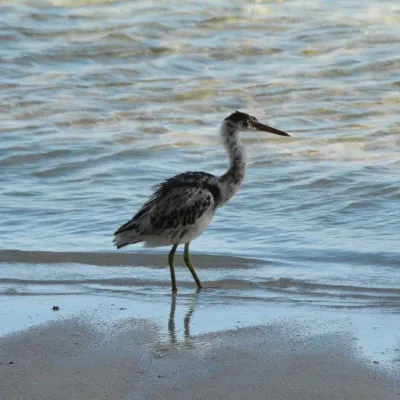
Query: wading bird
column 181, row 207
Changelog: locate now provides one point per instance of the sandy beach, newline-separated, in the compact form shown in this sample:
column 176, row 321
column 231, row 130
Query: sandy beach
column 101, row 346
column 75, row 359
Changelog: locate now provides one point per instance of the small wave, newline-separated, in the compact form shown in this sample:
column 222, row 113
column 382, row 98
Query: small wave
column 282, row 289
column 32, row 157
column 284, row 283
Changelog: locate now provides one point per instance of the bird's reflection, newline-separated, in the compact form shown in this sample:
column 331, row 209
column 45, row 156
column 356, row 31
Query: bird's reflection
column 171, row 320
column 186, row 320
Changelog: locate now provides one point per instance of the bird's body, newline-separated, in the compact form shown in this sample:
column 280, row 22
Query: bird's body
column 182, row 207
column 179, row 210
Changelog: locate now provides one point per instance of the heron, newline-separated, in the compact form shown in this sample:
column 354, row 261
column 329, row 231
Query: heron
column 181, row 208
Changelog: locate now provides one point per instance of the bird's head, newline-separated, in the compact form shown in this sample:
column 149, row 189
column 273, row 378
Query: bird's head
column 243, row 122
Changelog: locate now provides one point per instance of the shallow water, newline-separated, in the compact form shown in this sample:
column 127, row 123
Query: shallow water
column 102, row 100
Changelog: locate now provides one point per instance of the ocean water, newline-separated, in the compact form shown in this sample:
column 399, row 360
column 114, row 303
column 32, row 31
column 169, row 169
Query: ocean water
column 101, row 100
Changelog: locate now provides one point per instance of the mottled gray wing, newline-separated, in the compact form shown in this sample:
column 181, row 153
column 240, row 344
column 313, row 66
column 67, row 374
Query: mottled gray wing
column 177, row 212
column 176, row 205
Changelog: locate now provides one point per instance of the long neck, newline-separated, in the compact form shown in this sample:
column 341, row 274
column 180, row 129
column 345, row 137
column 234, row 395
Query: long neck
column 230, row 182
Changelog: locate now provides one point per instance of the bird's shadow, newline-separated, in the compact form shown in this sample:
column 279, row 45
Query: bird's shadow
column 186, row 320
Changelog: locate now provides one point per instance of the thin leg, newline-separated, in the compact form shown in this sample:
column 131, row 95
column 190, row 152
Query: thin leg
column 171, row 267
column 190, row 266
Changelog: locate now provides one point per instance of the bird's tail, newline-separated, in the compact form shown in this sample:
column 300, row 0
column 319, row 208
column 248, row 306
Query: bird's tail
column 125, row 238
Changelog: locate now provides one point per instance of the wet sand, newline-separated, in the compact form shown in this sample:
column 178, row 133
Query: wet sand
column 88, row 358
column 118, row 333
column 118, row 259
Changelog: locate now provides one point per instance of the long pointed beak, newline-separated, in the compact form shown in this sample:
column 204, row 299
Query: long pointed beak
column 266, row 128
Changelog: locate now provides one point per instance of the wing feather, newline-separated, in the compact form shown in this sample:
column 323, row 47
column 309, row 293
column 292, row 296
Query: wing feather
column 176, row 205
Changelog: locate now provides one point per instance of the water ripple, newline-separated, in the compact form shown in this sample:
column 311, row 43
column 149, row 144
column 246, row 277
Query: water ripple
column 100, row 100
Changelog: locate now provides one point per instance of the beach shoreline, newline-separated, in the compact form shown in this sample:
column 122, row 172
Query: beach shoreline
column 106, row 326
column 87, row 356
